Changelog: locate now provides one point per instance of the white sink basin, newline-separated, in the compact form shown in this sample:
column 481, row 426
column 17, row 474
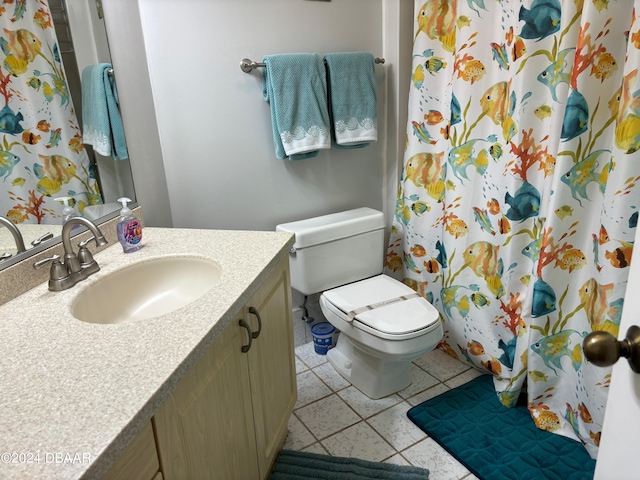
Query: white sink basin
column 146, row 290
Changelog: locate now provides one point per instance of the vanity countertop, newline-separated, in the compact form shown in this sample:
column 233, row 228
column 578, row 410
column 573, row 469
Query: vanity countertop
column 77, row 393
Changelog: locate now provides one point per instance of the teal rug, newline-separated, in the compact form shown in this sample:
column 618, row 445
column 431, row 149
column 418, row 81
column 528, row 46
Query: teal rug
column 495, row 442
column 292, row 465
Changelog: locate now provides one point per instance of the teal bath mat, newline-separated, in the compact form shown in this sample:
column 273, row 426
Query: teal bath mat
column 292, row 465
column 495, row 442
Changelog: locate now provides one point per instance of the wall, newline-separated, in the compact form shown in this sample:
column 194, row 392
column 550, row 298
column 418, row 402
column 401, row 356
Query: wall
column 213, row 164
column 215, row 128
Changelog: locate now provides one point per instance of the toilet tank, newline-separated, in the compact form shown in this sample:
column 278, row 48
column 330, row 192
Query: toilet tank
column 335, row 249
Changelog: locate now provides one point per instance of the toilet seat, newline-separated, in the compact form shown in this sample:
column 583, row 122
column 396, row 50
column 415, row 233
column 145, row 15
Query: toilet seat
column 384, row 307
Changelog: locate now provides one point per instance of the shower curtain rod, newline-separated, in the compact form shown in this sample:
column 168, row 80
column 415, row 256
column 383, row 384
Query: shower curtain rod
column 247, row 65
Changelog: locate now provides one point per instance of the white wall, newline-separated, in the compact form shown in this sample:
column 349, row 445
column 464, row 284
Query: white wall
column 212, row 164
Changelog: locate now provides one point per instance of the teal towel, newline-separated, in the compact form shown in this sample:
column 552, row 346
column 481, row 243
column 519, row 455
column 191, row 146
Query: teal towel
column 293, row 465
column 101, row 120
column 353, row 98
column 295, row 87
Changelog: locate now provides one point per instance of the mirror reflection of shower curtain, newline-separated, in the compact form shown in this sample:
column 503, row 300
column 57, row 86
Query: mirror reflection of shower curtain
column 518, row 201
column 42, row 156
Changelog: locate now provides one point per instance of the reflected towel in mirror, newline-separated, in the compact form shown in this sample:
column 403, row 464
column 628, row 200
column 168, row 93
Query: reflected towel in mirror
column 102, row 123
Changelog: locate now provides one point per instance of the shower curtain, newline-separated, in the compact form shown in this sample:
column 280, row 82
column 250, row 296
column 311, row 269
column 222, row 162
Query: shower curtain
column 42, row 157
column 518, row 198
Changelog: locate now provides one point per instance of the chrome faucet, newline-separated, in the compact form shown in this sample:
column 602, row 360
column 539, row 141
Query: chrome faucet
column 73, row 270
column 17, row 236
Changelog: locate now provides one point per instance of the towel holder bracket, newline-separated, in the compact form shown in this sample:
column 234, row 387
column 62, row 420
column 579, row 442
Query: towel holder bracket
column 247, row 65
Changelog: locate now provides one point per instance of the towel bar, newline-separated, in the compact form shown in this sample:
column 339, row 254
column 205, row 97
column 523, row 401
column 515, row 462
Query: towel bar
column 247, row 65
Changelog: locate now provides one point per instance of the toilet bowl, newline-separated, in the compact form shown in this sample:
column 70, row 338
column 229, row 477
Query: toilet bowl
column 384, row 325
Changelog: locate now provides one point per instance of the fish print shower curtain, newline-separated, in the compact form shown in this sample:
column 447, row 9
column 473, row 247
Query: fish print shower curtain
column 519, row 193
column 41, row 152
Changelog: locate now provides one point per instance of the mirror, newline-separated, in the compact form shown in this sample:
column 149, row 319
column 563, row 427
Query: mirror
column 81, row 41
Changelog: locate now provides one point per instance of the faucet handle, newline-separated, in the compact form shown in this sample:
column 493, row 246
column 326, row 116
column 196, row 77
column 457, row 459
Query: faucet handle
column 58, row 270
column 45, row 261
column 5, row 255
column 58, row 274
column 88, row 264
column 84, row 243
column 42, row 238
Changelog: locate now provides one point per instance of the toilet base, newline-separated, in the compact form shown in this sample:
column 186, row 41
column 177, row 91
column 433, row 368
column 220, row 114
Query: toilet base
column 374, row 377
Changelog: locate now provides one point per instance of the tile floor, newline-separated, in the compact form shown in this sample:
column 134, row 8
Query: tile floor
column 334, row 418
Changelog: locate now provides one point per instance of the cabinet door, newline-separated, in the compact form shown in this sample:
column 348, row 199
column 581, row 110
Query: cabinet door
column 139, row 461
column 205, row 428
column 272, row 364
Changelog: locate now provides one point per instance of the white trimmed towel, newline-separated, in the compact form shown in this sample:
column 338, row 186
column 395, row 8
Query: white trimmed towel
column 353, row 98
column 295, row 86
column 102, row 124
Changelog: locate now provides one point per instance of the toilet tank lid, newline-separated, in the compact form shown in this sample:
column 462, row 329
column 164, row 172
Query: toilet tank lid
column 335, row 226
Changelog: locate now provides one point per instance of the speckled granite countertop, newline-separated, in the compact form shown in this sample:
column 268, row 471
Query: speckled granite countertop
column 85, row 390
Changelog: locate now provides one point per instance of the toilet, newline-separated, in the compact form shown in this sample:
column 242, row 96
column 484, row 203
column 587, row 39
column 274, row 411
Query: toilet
column 384, row 325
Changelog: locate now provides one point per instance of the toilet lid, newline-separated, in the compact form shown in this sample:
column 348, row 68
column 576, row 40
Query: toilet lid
column 384, row 304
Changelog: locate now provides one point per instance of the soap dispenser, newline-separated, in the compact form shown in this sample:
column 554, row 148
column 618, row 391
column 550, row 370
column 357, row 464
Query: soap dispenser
column 68, row 211
column 129, row 229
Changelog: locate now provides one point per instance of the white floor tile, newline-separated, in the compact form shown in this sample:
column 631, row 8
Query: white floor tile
column 441, row 365
column 358, row 441
column 327, row 416
column 310, row 389
column 428, row 394
column 397, row 459
column 308, row 355
column 442, row 466
column 463, row 378
column 332, row 378
column 420, row 381
column 471, row 476
column 299, row 437
column 300, row 366
column 316, row 448
column 395, row 427
column 365, row 406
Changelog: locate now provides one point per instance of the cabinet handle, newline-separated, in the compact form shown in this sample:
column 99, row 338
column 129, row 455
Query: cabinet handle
column 255, row 312
column 245, row 348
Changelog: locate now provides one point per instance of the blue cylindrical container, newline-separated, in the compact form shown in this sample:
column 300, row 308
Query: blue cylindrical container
column 323, row 335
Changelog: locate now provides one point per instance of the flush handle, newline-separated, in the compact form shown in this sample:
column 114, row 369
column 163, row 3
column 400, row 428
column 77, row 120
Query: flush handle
column 603, row 349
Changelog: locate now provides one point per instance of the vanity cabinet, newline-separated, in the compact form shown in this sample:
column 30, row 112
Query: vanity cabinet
column 228, row 418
